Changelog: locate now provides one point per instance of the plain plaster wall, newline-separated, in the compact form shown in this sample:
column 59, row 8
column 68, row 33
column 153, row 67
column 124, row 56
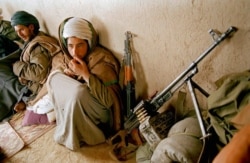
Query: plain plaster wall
column 170, row 34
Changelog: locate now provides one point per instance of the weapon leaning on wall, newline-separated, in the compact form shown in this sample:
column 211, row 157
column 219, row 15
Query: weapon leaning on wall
column 153, row 125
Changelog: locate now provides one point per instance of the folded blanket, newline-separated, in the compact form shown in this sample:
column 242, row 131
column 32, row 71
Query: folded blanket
column 42, row 112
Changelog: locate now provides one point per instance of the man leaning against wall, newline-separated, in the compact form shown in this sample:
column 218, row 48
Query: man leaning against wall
column 29, row 65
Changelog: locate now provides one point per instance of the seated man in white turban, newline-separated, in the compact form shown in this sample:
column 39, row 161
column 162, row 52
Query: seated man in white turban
column 87, row 94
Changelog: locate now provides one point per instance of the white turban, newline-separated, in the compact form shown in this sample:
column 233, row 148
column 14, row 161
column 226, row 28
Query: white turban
column 80, row 28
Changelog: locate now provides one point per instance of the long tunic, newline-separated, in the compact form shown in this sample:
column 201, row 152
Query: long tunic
column 84, row 113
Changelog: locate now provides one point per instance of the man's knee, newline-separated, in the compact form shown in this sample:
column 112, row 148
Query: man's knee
column 82, row 91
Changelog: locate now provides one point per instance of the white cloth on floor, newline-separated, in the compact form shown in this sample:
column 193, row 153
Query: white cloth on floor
column 42, row 106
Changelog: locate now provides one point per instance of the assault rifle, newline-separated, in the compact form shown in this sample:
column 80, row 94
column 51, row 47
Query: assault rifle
column 129, row 78
column 149, row 107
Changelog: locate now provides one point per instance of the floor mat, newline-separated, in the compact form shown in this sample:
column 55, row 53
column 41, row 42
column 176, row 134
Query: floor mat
column 14, row 136
column 10, row 141
column 28, row 133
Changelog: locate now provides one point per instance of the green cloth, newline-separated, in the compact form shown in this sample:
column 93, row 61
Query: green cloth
column 232, row 95
column 8, row 31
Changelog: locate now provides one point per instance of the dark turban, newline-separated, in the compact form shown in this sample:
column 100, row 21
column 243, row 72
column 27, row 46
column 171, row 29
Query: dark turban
column 24, row 18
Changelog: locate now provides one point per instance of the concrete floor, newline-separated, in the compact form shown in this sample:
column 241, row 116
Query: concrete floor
column 44, row 149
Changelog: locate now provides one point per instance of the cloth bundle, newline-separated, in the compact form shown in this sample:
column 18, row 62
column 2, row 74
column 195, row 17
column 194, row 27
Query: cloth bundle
column 182, row 144
column 42, row 112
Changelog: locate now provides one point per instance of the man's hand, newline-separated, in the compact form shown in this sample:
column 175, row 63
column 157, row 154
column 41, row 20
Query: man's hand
column 70, row 73
column 79, row 67
column 23, row 81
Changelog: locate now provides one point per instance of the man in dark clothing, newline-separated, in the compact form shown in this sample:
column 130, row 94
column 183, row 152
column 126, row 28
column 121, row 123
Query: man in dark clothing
column 27, row 67
column 7, row 46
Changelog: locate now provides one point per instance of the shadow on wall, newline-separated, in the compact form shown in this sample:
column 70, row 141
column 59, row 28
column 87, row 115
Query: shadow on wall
column 42, row 23
column 101, row 30
column 141, row 91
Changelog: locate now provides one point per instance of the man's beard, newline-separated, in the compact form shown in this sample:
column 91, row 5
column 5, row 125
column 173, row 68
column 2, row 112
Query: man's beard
column 30, row 38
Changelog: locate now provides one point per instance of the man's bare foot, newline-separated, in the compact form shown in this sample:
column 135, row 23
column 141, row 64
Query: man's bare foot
column 20, row 106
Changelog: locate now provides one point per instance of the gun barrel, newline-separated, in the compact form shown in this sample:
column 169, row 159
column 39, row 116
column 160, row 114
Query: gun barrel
column 176, row 83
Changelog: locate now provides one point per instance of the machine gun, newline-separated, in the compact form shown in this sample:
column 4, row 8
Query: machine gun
column 129, row 81
column 147, row 108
